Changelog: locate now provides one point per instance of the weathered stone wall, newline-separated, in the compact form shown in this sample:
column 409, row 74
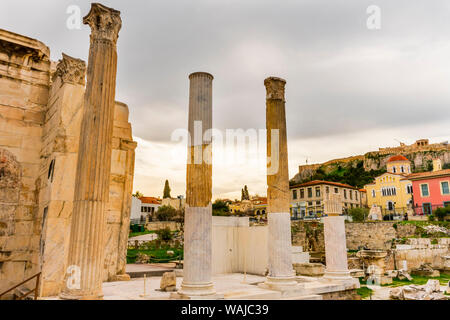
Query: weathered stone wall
column 373, row 235
column 57, row 169
column 309, row 235
column 120, row 190
column 24, row 90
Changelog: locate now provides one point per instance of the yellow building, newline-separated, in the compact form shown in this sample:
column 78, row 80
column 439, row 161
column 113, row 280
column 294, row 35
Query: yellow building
column 392, row 191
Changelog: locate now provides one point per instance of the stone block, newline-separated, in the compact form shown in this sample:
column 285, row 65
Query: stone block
column 168, row 282
column 309, row 269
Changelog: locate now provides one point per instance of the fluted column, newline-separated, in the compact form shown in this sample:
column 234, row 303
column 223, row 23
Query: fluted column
column 335, row 240
column 198, row 212
column 86, row 251
column 281, row 274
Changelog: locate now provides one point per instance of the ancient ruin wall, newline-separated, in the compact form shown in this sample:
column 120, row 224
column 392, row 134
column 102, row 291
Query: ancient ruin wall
column 373, row 235
column 40, row 119
column 24, row 91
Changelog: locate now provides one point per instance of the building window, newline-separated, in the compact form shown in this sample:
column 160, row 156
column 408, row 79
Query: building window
column 336, row 190
column 373, row 193
column 356, row 195
column 317, row 191
column 327, row 189
column 390, row 205
column 318, row 203
column 402, row 169
column 424, row 190
column 389, row 191
column 309, row 192
column 345, row 193
column 427, row 208
column 302, row 193
column 310, row 203
column 409, row 189
column 351, row 194
column 445, row 188
column 394, row 169
column 294, row 194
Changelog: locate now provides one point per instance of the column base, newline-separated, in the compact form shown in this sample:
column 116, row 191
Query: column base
column 342, row 277
column 197, row 289
column 280, row 283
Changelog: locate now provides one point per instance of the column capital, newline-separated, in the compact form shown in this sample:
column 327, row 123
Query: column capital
column 105, row 22
column 333, row 204
column 71, row 70
column 275, row 88
column 205, row 74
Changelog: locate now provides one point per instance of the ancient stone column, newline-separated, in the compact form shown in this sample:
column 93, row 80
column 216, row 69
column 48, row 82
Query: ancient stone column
column 281, row 274
column 335, row 240
column 198, row 210
column 86, row 250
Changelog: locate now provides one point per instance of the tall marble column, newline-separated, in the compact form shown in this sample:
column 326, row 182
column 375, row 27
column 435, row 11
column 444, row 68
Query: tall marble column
column 281, row 274
column 198, row 211
column 86, row 250
column 335, row 240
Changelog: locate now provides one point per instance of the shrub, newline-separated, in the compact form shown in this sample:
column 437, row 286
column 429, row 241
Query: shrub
column 164, row 234
column 441, row 213
column 165, row 213
column 431, row 217
column 220, row 208
column 358, row 214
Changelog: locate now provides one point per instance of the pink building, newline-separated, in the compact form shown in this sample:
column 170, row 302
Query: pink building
column 431, row 190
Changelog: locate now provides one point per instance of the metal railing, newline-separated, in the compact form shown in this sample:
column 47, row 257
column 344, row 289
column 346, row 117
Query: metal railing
column 35, row 290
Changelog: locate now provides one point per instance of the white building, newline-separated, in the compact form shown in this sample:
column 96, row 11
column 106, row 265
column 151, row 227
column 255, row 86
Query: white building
column 143, row 208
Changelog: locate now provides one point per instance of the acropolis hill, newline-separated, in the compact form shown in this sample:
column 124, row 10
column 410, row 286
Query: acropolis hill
column 419, row 153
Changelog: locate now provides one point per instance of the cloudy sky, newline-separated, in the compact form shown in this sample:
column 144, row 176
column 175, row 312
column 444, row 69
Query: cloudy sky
column 350, row 89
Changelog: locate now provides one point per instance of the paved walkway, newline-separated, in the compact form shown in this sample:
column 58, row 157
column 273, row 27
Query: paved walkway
column 144, row 237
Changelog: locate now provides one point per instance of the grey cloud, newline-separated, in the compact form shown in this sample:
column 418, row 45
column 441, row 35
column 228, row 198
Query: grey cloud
column 316, row 45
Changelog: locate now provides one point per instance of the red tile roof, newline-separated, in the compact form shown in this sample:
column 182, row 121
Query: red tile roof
column 316, row 182
column 429, row 174
column 397, row 158
column 150, row 200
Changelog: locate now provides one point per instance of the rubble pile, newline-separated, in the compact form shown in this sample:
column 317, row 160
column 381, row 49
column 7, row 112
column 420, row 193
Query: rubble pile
column 430, row 291
column 436, row 229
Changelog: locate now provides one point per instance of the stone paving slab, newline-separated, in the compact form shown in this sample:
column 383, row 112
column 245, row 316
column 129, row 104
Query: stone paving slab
column 230, row 286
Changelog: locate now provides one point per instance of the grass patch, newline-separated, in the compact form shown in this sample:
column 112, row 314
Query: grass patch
column 156, row 255
column 364, row 292
column 425, row 223
column 419, row 280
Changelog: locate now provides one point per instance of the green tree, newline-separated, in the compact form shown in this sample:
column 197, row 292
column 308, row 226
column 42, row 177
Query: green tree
column 247, row 196
column 138, row 194
column 166, row 193
column 358, row 214
column 220, row 208
column 166, row 213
